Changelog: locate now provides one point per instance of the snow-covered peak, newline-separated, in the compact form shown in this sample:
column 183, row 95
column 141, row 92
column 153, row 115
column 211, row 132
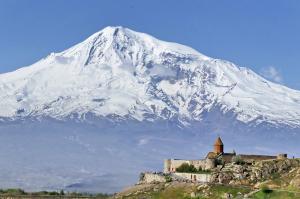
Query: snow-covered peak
column 120, row 72
column 118, row 45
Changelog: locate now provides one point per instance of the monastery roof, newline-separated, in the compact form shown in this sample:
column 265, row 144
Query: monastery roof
column 227, row 157
column 211, row 155
column 219, row 141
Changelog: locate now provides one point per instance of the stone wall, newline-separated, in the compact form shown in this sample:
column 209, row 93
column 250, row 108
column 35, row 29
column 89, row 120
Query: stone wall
column 194, row 177
column 250, row 158
column 171, row 165
column 152, row 178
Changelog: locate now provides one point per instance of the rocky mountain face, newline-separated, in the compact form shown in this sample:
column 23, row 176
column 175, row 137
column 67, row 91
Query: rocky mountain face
column 121, row 73
column 252, row 174
column 118, row 103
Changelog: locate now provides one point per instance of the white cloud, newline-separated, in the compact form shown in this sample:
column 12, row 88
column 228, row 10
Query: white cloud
column 272, row 74
column 143, row 142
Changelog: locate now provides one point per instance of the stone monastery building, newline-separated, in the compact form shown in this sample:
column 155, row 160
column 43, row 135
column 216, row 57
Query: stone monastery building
column 214, row 158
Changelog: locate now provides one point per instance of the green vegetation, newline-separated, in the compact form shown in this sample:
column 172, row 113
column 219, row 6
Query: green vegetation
column 200, row 170
column 49, row 194
column 141, row 177
column 218, row 191
column 187, row 168
column 238, row 160
column 220, row 161
column 213, row 191
column 266, row 190
column 276, row 194
column 187, row 191
column 174, row 193
column 168, row 178
column 12, row 192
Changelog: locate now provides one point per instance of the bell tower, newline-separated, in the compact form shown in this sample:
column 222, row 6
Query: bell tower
column 219, row 146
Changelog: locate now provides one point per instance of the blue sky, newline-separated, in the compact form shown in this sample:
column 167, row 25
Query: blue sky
column 261, row 35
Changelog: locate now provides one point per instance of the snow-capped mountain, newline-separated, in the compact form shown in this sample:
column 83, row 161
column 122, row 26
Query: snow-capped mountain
column 119, row 72
column 92, row 117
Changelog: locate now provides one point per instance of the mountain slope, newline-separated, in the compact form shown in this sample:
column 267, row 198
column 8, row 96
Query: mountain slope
column 119, row 72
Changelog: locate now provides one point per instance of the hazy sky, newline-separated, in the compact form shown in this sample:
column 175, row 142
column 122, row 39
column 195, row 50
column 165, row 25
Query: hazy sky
column 261, row 35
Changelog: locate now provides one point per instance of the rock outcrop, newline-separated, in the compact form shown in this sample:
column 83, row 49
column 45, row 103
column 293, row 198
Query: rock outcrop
column 250, row 174
column 228, row 181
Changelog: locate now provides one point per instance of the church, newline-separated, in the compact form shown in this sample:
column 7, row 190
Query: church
column 216, row 157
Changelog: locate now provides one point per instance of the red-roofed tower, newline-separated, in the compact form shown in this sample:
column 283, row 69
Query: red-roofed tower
column 219, row 146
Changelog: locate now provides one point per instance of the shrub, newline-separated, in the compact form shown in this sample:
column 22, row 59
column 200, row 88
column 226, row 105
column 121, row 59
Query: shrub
column 186, row 168
column 266, row 189
column 200, row 170
column 219, row 161
column 53, row 193
column 15, row 191
column 142, row 176
column 168, row 178
column 238, row 160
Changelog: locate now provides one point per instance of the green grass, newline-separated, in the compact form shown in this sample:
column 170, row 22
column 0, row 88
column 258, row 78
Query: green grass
column 218, row 191
column 12, row 192
column 174, row 193
column 276, row 195
column 48, row 194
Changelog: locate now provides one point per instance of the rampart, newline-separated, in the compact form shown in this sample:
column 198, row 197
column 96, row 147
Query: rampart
column 194, row 177
column 171, row 165
column 148, row 177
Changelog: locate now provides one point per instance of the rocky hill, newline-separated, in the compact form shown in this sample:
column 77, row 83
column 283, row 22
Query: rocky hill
column 272, row 178
column 250, row 175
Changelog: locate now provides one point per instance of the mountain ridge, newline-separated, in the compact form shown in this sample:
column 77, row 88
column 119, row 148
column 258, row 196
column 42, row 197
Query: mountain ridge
column 117, row 71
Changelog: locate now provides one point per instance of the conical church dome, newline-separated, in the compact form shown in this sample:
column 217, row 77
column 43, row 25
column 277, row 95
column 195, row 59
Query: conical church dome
column 219, row 142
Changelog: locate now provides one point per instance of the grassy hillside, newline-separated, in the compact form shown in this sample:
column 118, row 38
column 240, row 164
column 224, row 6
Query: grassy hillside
column 276, row 179
column 191, row 191
column 276, row 194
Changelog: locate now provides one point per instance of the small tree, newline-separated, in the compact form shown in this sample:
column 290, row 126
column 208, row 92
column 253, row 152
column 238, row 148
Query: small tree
column 186, row 168
column 15, row 191
column 142, row 176
column 219, row 161
column 168, row 178
column 266, row 190
column 238, row 160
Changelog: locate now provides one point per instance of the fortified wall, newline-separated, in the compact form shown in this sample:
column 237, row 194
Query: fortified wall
column 218, row 156
column 148, row 178
column 170, row 165
column 219, row 167
column 231, row 173
column 193, row 177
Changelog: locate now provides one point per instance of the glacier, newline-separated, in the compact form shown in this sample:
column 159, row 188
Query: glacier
column 92, row 117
